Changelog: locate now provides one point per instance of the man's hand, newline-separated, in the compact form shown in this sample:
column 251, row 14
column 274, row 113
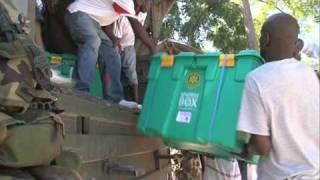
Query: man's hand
column 153, row 47
column 258, row 145
column 116, row 42
column 109, row 32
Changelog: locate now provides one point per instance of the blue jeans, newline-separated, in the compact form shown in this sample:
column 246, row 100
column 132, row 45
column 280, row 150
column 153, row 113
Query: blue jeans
column 94, row 45
column 128, row 64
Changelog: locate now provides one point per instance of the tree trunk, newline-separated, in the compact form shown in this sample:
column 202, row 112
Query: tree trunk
column 157, row 10
column 251, row 33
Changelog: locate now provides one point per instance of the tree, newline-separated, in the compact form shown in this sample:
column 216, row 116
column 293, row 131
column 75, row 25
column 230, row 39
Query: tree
column 222, row 21
column 252, row 37
column 197, row 21
column 301, row 9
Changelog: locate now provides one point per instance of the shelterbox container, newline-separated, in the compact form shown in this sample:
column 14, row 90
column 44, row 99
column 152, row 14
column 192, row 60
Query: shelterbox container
column 192, row 101
column 64, row 64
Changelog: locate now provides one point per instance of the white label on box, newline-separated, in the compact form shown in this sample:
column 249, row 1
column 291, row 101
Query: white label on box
column 184, row 117
column 188, row 100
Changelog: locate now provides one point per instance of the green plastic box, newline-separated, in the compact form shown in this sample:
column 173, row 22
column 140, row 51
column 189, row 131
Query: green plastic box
column 192, row 101
column 64, row 64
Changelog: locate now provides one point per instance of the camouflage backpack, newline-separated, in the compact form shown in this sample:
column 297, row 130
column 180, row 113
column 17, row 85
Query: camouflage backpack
column 24, row 85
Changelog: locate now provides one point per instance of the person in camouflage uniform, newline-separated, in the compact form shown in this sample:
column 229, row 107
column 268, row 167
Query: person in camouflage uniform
column 31, row 132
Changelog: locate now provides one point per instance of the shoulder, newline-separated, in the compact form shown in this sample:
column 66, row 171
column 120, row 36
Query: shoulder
column 266, row 75
column 281, row 73
column 274, row 69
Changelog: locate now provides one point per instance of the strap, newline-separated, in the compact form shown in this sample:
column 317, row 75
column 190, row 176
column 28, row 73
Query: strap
column 47, row 117
column 8, row 120
column 218, row 97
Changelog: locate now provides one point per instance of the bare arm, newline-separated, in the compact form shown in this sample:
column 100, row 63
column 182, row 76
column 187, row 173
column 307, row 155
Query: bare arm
column 109, row 31
column 258, row 145
column 142, row 34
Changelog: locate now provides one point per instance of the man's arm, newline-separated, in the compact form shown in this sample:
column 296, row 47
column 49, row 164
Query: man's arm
column 142, row 34
column 258, row 145
column 109, row 31
column 254, row 119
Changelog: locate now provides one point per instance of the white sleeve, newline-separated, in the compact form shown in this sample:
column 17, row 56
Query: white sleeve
column 253, row 118
column 142, row 17
column 117, row 29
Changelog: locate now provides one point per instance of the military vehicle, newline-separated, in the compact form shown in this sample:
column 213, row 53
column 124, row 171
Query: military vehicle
column 101, row 141
column 102, row 134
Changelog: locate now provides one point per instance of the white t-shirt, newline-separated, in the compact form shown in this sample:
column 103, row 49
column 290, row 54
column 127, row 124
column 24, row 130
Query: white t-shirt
column 281, row 100
column 101, row 11
column 124, row 31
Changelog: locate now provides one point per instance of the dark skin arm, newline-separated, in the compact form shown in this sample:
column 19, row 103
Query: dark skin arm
column 142, row 34
column 258, row 145
column 109, row 31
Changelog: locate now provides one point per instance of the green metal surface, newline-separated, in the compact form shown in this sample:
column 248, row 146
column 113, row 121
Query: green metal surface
column 194, row 104
column 100, row 132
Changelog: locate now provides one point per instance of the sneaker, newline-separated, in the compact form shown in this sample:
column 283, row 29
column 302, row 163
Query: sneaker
column 139, row 106
column 128, row 104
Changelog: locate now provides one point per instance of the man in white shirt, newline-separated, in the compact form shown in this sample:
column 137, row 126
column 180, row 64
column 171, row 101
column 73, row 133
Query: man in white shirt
column 124, row 31
column 90, row 25
column 280, row 107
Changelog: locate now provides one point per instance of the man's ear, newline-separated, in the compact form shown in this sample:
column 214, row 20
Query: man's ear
column 299, row 44
column 265, row 39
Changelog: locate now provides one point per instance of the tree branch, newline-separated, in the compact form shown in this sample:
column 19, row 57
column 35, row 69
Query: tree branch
column 275, row 6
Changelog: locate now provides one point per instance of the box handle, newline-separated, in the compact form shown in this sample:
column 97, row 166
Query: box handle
column 167, row 61
column 227, row 60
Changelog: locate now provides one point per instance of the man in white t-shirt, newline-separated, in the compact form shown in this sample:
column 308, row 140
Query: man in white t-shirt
column 90, row 25
column 280, row 107
column 124, row 31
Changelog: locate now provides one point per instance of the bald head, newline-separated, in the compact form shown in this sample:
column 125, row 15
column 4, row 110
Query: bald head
column 279, row 35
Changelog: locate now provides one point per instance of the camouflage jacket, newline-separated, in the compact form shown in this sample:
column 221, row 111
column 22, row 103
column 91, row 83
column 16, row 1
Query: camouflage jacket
column 24, row 72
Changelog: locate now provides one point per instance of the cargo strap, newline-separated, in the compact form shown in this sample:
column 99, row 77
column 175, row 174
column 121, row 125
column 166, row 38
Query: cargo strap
column 218, row 95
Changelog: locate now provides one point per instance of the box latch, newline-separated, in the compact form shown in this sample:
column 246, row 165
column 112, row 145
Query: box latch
column 56, row 60
column 227, row 60
column 167, row 61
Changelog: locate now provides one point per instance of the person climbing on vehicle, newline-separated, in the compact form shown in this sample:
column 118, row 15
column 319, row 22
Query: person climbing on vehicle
column 280, row 106
column 125, row 33
column 90, row 25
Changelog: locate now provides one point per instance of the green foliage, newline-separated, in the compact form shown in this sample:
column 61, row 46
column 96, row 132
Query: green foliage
column 300, row 9
column 197, row 21
column 221, row 21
